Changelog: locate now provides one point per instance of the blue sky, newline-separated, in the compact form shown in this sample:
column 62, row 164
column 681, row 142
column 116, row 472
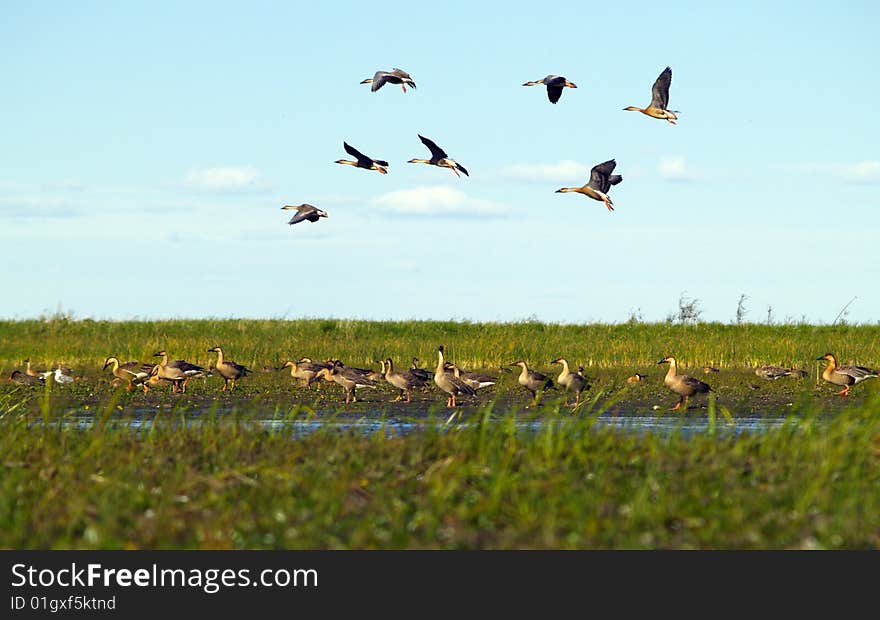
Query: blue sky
column 147, row 149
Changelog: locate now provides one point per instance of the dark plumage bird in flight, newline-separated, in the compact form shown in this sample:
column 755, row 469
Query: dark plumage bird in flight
column 368, row 163
column 555, row 84
column 439, row 158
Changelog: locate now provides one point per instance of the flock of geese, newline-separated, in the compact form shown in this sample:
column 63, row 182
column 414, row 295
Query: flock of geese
column 601, row 177
column 450, row 378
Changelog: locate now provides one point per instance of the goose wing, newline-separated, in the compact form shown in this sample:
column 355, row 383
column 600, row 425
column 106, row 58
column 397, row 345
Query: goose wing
column 436, row 151
column 379, row 80
column 695, row 384
column 555, row 84
column 660, row 90
column 600, row 173
column 362, row 159
column 305, row 212
column 461, row 169
column 857, row 372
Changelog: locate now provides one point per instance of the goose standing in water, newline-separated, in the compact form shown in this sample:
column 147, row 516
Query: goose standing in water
column 439, row 158
column 133, row 373
column 448, row 382
column 846, row 376
column 599, row 184
column 532, row 380
column 305, row 212
column 683, row 385
column 396, row 76
column 229, row 370
column 367, row 163
column 570, row 381
column 554, row 84
column 659, row 99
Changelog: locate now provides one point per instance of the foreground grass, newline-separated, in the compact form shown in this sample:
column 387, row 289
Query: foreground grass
column 481, row 483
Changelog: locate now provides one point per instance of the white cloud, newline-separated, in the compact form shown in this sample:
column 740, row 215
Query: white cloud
column 676, row 169
column 561, row 172
column 862, row 172
column 437, row 200
column 228, row 178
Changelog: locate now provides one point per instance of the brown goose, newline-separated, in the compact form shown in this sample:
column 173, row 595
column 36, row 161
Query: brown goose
column 305, row 369
column 133, row 373
column 305, row 212
column 229, row 370
column 363, row 161
column 347, row 378
column 683, row 385
column 421, row 373
column 404, row 381
column 40, row 372
column 636, row 378
column 439, row 158
column 178, row 372
column 532, row 380
column 448, row 382
column 846, row 376
column 554, row 84
column 476, row 380
column 570, row 381
column 22, row 378
column 771, row 372
column 659, row 99
column 396, row 76
column 599, row 184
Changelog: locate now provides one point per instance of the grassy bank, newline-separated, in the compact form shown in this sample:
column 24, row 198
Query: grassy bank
column 480, row 345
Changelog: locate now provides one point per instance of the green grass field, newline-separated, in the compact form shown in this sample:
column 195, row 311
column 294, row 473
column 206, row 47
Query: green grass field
column 82, row 469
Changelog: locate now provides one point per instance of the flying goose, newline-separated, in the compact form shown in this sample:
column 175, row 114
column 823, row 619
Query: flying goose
column 439, row 158
column 555, row 84
column 229, row 370
column 659, row 99
column 683, row 385
column 305, row 212
column 846, row 376
column 363, row 161
column 448, row 382
column 397, row 76
column 599, row 184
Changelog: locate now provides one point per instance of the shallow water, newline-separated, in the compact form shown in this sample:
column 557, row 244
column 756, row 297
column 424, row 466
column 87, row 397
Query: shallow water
column 369, row 423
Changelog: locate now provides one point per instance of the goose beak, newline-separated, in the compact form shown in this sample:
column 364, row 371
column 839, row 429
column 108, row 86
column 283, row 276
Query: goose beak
column 663, row 362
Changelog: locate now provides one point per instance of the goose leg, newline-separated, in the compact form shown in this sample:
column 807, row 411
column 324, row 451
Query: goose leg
column 843, row 392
